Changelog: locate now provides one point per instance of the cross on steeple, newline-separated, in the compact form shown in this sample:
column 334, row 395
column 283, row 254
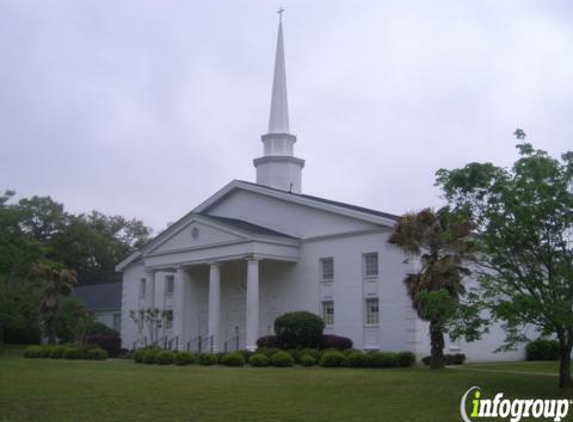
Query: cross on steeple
column 280, row 12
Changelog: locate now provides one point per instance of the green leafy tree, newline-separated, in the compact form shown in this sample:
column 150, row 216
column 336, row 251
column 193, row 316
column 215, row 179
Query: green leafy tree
column 523, row 228
column 441, row 241
column 74, row 321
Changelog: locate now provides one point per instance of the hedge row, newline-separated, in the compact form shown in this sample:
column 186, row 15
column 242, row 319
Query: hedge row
column 279, row 358
column 61, row 351
column 542, row 349
column 457, row 359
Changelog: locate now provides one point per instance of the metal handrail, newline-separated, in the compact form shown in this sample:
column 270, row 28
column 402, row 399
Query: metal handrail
column 232, row 341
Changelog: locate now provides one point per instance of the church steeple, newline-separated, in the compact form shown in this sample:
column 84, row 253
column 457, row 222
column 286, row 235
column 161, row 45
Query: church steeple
column 279, row 168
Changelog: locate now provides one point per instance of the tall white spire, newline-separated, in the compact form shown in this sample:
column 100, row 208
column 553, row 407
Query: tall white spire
column 278, row 121
column 278, row 167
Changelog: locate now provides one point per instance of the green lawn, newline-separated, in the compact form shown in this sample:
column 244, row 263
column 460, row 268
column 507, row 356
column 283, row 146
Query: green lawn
column 116, row 390
column 545, row 367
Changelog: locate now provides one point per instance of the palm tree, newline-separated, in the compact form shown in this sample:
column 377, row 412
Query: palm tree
column 441, row 241
column 58, row 282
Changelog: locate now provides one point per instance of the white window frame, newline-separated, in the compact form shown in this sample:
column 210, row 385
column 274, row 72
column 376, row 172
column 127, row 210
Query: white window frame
column 371, row 319
column 365, row 257
column 323, row 261
column 327, row 312
column 142, row 288
column 169, row 282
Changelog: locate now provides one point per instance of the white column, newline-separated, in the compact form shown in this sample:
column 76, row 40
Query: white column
column 214, row 305
column 179, row 307
column 252, row 303
column 150, row 293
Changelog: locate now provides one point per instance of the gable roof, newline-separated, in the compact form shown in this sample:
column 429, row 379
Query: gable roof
column 100, row 296
column 246, row 226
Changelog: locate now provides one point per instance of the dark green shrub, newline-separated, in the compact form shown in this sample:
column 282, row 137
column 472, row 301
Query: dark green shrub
column 333, row 359
column 281, row 360
column 331, row 341
column 47, row 350
column 258, row 360
column 426, row 360
column 58, row 351
column 383, row 359
column 219, row 356
column 307, row 360
column 315, row 353
column 137, row 355
column 165, row 357
column 268, row 351
column 33, row 352
column 542, row 350
column 71, row 352
column 98, row 354
column 184, row 358
column 109, row 343
column 98, row 328
column 150, row 355
column 247, row 354
column 358, row 359
column 233, row 359
column 84, row 350
column 457, row 359
column 268, row 341
column 406, row 359
column 299, row 329
column 208, row 359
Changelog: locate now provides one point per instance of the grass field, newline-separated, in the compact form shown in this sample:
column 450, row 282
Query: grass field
column 116, row 390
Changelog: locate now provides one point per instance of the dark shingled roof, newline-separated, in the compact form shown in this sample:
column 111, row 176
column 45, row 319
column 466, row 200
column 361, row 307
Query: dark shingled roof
column 330, row 202
column 250, row 227
column 98, row 297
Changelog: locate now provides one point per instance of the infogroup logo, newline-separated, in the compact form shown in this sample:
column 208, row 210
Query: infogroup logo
column 515, row 410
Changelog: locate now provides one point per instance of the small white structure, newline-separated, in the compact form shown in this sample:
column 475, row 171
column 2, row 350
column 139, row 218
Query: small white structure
column 254, row 251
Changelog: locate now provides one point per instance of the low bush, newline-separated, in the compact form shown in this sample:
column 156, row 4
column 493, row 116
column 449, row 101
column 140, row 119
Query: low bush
column 281, row 360
column 383, row 359
column 268, row 351
column 258, row 360
column 137, row 355
column 333, row 359
column 268, row 342
column 426, row 360
column 98, row 354
column 542, row 350
column 233, row 359
column 47, row 350
column 299, row 329
column 358, row 359
column 315, row 353
column 307, row 360
column 57, row 352
column 219, row 356
column 406, row 359
column 109, row 343
column 33, row 352
column 71, row 352
column 457, row 359
column 150, row 355
column 184, row 358
column 165, row 357
column 207, row 359
column 331, row 341
column 84, row 350
column 247, row 354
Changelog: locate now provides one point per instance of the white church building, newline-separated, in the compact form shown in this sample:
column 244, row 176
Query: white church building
column 254, row 251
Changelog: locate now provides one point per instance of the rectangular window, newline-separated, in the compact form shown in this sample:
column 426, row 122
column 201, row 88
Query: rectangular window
column 142, row 287
column 370, row 264
column 168, row 320
column 116, row 322
column 169, row 282
column 328, row 313
column 372, row 312
column 327, row 269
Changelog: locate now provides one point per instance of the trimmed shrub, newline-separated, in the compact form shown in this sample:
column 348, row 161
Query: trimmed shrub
column 137, row 355
column 383, row 359
column 33, row 352
column 299, row 329
column 258, row 360
column 358, row 359
column 207, row 359
column 307, row 360
column 71, row 353
column 406, row 359
column 219, row 356
column 47, row 350
column 315, row 353
column 58, row 352
column 542, row 349
column 165, row 357
column 333, row 359
column 98, row 328
column 233, row 359
column 268, row 341
column 331, row 341
column 150, row 355
column 281, row 360
column 109, row 343
column 84, row 350
column 268, row 352
column 246, row 354
column 457, row 359
column 98, row 354
column 426, row 360
column 184, row 358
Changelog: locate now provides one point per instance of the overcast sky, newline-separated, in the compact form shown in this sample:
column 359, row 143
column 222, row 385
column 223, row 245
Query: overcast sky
column 146, row 108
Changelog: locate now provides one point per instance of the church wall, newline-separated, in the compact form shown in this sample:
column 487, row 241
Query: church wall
column 129, row 301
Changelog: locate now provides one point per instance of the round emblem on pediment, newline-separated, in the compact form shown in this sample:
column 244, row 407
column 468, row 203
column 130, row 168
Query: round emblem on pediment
column 194, row 232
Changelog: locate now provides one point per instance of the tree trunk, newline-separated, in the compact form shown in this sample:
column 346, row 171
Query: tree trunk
column 565, row 347
column 437, row 344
